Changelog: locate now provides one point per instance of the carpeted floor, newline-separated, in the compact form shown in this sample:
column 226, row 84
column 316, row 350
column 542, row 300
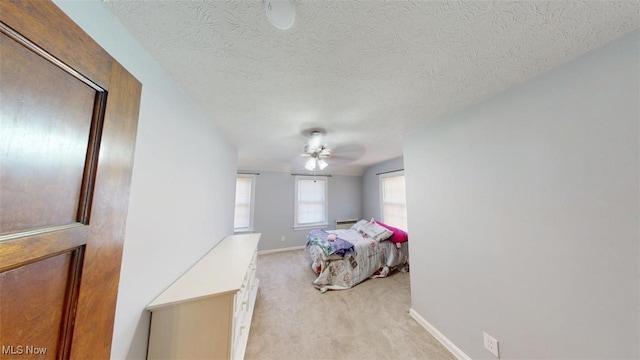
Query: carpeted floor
column 293, row 320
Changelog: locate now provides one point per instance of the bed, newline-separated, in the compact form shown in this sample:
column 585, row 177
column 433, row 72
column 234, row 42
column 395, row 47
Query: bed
column 344, row 258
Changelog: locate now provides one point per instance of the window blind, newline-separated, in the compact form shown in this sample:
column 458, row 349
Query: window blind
column 242, row 217
column 311, row 202
column 394, row 203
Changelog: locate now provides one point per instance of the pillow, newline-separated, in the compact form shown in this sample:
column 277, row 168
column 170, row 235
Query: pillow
column 375, row 231
column 399, row 236
column 358, row 226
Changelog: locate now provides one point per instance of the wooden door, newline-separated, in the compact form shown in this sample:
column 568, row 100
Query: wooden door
column 68, row 120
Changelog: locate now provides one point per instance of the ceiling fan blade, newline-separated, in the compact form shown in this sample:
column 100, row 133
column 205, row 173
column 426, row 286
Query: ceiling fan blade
column 347, row 153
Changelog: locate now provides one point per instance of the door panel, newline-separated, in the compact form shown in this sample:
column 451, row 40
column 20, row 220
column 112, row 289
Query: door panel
column 46, row 121
column 68, row 120
column 42, row 291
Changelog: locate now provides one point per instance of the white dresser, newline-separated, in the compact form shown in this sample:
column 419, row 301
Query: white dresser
column 206, row 313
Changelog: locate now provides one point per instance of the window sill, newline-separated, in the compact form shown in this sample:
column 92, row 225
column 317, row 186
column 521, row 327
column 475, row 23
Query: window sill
column 242, row 231
column 310, row 227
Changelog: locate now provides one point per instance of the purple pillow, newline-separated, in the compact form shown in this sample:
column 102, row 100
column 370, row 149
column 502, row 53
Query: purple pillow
column 399, row 236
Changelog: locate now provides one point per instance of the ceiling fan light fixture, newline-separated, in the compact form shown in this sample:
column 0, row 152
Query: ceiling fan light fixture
column 314, row 162
column 315, row 150
column 311, row 164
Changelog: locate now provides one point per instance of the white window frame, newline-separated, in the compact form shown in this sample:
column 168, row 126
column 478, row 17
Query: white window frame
column 251, row 204
column 382, row 202
column 315, row 225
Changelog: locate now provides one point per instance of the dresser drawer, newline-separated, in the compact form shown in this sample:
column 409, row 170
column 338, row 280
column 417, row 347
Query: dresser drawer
column 243, row 302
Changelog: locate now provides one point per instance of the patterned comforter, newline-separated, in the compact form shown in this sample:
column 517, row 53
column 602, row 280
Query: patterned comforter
column 338, row 270
column 337, row 247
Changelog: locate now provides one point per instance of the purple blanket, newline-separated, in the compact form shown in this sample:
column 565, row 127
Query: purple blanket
column 338, row 246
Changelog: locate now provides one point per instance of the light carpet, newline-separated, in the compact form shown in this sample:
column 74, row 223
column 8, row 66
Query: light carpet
column 293, row 320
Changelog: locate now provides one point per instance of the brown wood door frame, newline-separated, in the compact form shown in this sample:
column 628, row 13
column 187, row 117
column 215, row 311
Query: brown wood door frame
column 93, row 243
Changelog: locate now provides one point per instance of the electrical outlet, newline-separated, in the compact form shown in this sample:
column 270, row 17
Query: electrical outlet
column 282, row 238
column 491, row 344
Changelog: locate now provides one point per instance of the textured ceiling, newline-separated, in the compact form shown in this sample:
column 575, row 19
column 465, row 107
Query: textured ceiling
column 366, row 71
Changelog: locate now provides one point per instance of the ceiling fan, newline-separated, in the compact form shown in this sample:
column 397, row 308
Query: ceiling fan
column 316, row 151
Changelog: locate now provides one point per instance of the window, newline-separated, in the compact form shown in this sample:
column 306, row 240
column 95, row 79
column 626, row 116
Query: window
column 243, row 217
column 393, row 200
column 310, row 202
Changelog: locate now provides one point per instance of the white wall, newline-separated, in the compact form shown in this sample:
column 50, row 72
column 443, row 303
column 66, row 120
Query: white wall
column 274, row 206
column 523, row 212
column 183, row 185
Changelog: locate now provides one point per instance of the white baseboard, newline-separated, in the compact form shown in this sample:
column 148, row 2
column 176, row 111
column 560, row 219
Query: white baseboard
column 264, row 252
column 438, row 335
